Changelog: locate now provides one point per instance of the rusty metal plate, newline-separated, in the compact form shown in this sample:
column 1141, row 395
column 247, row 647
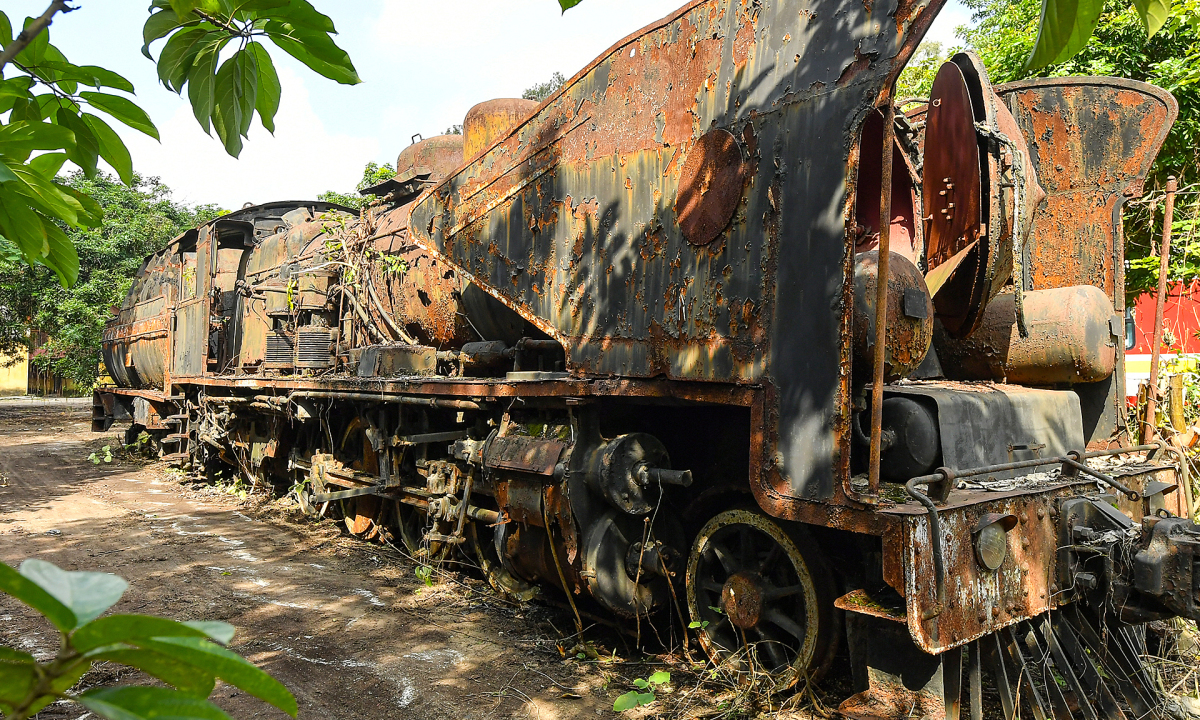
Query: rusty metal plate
column 524, row 454
column 951, row 194
column 710, row 186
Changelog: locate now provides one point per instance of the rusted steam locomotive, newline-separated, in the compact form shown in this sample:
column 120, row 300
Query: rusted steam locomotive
column 722, row 333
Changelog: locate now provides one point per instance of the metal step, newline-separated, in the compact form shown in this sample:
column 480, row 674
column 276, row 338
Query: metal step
column 175, row 458
column 175, row 437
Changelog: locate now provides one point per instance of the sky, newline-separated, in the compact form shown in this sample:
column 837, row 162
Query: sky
column 423, row 65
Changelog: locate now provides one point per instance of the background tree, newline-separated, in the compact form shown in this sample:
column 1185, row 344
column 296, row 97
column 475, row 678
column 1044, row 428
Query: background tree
column 541, row 91
column 139, row 218
column 51, row 115
column 373, row 174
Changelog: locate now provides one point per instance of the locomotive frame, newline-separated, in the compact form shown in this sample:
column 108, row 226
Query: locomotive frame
column 625, row 343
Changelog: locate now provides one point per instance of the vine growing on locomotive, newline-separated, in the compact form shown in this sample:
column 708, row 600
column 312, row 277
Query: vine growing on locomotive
column 648, row 344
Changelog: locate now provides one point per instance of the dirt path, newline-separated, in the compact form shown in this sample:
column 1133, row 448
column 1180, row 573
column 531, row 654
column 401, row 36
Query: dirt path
column 345, row 625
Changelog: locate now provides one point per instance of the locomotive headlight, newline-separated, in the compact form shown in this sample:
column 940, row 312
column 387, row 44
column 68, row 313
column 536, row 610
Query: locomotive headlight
column 991, row 539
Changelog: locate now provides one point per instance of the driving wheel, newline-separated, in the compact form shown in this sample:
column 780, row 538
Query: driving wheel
column 360, row 514
column 762, row 597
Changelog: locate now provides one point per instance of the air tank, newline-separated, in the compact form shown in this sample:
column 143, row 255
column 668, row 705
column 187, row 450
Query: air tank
column 440, row 155
column 488, row 120
column 1071, row 340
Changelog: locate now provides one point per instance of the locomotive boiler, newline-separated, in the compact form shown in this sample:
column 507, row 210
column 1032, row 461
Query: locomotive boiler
column 721, row 338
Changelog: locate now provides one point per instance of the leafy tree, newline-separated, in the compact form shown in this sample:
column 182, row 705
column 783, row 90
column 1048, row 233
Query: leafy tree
column 541, row 91
column 917, row 77
column 139, row 218
column 187, row 656
column 1004, row 34
column 373, row 174
column 52, row 114
column 453, row 130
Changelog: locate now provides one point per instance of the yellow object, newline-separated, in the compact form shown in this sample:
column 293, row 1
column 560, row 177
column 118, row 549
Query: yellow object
column 14, row 374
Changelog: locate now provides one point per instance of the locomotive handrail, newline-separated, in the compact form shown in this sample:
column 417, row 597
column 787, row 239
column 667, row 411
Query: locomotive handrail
column 948, row 475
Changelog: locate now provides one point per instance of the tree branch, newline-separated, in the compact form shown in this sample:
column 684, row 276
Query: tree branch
column 26, row 36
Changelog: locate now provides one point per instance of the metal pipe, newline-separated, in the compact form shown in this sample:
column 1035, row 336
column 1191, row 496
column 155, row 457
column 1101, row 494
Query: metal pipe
column 387, row 319
column 881, row 293
column 367, row 323
column 387, row 397
column 1164, row 260
column 1129, row 492
column 935, row 538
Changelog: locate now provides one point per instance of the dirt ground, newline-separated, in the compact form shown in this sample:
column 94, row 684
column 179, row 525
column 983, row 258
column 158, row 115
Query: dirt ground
column 346, row 625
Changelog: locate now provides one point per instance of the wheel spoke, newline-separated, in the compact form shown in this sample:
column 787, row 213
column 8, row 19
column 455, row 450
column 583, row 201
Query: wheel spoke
column 713, row 587
column 777, row 593
column 786, row 624
column 746, row 549
column 772, row 647
column 770, row 556
column 724, row 557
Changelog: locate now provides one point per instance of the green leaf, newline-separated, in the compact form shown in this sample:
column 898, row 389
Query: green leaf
column 267, row 100
column 1063, row 30
column 6, row 35
column 222, row 632
column 122, row 109
column 315, row 49
column 568, row 4
column 90, row 212
column 43, row 195
column 633, row 699
column 302, row 14
column 87, row 594
column 641, row 684
column 227, row 107
column 112, row 148
column 29, row 592
column 157, row 26
column 175, row 60
column 35, row 51
column 18, row 139
column 15, row 683
column 62, row 258
column 106, row 78
column 201, row 81
column 48, row 164
column 662, row 677
column 186, row 678
column 10, row 656
column 86, row 152
column 228, row 666
column 24, row 226
column 144, row 703
column 1153, row 14
column 246, row 69
column 183, row 7
column 127, row 628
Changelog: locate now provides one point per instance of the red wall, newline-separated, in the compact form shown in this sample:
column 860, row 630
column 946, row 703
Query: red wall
column 1181, row 316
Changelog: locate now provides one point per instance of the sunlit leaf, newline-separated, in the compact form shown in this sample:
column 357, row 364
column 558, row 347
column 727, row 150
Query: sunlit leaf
column 27, row 591
column 226, row 665
column 157, row 26
column 201, row 82
column 87, row 594
column 126, row 628
column 1064, row 29
column 186, row 678
column 1153, row 14
column 48, row 164
column 63, row 259
column 267, row 100
column 122, row 109
column 112, row 147
column 144, row 703
column 86, row 152
column 315, row 49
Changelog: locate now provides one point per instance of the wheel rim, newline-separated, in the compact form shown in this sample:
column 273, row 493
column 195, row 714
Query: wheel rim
column 753, row 591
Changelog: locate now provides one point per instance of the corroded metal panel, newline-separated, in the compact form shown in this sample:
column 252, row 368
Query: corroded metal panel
column 1092, row 141
column 571, row 218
